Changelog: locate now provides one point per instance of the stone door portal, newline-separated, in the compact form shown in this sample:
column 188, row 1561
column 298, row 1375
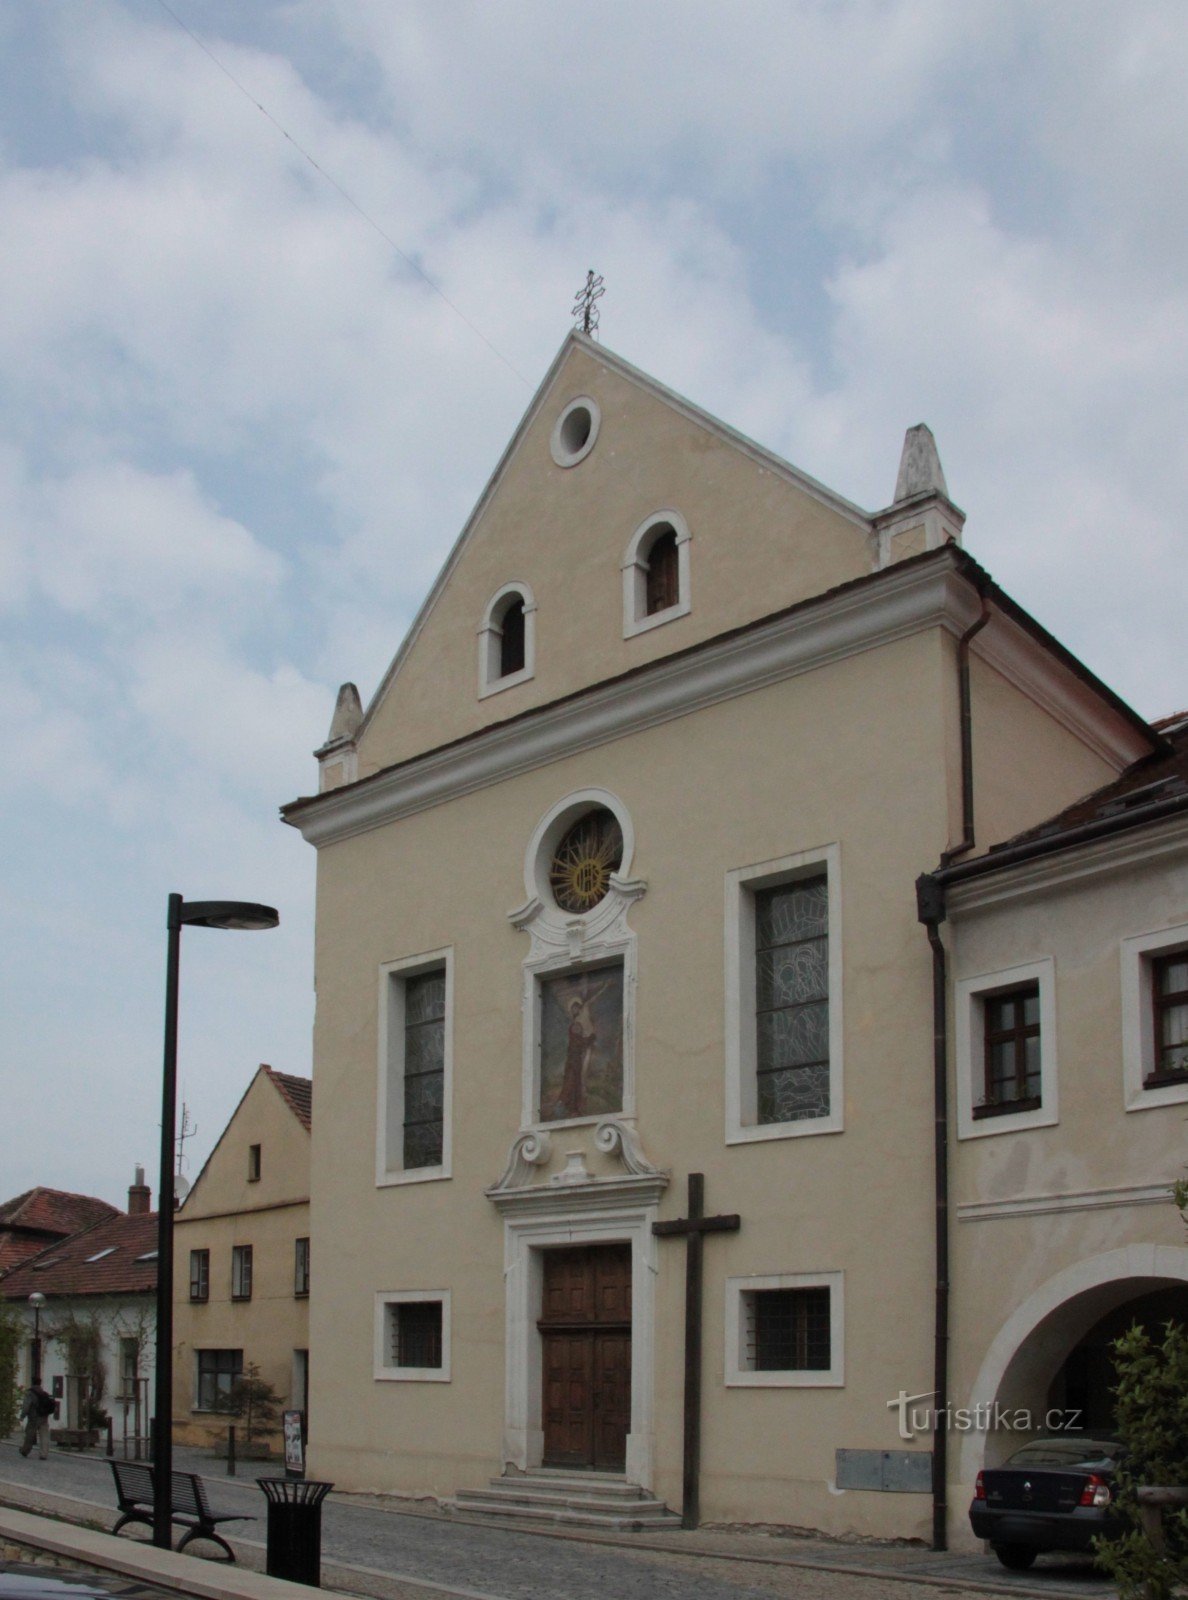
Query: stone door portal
column 585, row 1329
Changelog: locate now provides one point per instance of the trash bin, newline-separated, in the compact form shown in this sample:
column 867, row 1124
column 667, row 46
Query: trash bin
column 295, row 1528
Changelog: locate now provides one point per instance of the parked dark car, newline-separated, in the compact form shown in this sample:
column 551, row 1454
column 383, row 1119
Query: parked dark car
column 1052, row 1494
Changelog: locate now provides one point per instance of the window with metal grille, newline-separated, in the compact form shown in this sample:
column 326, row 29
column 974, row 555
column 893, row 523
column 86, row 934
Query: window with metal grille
column 1011, row 1051
column 792, row 1000
column 1169, row 996
column 301, row 1267
column 415, row 1333
column 662, row 585
column 788, row 1330
column 199, row 1274
column 217, row 1371
column 424, row 1067
column 241, row 1272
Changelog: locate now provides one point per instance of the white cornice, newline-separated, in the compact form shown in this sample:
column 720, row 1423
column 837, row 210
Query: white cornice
column 1038, row 1205
column 1130, row 850
column 900, row 602
column 1023, row 662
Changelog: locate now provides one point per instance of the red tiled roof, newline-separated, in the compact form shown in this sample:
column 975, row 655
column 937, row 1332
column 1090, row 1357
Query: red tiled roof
column 297, row 1092
column 68, row 1268
column 34, row 1219
column 54, row 1211
column 1155, row 780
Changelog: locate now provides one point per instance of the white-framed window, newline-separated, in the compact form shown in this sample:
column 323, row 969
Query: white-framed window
column 1006, row 1050
column 507, row 639
column 784, row 997
column 1155, row 1018
column 656, row 573
column 412, row 1335
column 415, row 1094
column 785, row 1331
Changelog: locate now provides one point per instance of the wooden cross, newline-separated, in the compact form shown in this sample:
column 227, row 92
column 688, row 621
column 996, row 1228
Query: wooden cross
column 693, row 1229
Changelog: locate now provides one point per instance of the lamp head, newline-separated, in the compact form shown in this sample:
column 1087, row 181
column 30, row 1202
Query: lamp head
column 241, row 914
column 37, row 1299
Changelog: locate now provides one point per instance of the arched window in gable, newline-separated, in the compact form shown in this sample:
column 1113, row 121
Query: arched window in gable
column 507, row 639
column 656, row 573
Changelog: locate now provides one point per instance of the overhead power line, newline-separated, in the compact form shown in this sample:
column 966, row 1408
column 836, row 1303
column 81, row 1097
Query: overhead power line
column 334, row 184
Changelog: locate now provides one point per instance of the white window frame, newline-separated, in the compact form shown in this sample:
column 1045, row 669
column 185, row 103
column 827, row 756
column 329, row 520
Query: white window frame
column 741, row 1045
column 490, row 639
column 560, row 449
column 739, row 1376
column 970, row 996
column 635, row 574
column 383, row 1370
column 389, row 1124
column 1138, row 1020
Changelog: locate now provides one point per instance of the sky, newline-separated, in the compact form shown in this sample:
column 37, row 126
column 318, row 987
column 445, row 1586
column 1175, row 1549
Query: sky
column 277, row 283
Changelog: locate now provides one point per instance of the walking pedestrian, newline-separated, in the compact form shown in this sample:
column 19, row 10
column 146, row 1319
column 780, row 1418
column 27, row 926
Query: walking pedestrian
column 36, row 1410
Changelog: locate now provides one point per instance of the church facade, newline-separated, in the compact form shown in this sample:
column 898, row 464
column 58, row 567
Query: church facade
column 616, row 891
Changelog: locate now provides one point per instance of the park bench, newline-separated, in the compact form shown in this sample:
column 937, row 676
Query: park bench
column 188, row 1504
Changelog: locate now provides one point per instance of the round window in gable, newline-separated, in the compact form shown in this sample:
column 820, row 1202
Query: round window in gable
column 575, row 431
column 586, row 855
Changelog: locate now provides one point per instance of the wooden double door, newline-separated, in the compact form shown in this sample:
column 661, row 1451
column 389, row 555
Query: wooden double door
column 585, row 1330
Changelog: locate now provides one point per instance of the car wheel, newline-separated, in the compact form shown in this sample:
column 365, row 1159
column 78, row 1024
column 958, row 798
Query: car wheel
column 1018, row 1557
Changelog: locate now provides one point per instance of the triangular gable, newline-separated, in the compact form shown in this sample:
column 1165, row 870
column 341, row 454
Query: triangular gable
column 288, row 1095
column 694, row 430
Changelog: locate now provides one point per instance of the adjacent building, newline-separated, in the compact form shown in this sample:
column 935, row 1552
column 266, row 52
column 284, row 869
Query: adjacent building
column 41, row 1216
column 242, row 1262
column 98, row 1323
column 616, row 890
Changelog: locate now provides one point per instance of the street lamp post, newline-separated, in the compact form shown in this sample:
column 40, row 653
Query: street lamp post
column 195, row 914
column 37, row 1300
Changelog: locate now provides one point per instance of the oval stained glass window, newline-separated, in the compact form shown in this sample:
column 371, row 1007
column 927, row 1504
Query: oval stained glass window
column 585, row 857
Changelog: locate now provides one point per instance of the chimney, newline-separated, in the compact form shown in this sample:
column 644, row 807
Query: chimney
column 139, row 1196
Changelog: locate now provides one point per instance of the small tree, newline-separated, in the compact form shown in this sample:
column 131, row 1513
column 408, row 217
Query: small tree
column 253, row 1402
column 81, row 1339
column 1152, row 1415
column 11, row 1338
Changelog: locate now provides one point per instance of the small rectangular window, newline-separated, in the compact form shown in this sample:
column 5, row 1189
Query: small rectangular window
column 1169, row 999
column 415, row 1334
column 788, row 1330
column 217, row 1371
column 785, row 1331
column 241, row 1272
column 199, row 1275
column 253, row 1163
column 1011, row 1052
column 301, row 1268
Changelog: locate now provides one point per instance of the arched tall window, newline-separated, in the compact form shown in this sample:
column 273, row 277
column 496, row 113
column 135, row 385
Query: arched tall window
column 507, row 639
column 656, row 573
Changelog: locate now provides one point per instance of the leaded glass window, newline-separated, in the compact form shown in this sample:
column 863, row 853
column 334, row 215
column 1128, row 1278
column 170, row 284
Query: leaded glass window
column 788, row 1330
column 792, row 1000
column 424, row 1067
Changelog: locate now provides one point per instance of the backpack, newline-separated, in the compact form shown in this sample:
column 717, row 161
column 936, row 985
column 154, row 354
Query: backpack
column 45, row 1405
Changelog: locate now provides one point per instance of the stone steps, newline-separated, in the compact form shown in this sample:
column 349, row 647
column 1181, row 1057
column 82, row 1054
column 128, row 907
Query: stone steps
column 568, row 1499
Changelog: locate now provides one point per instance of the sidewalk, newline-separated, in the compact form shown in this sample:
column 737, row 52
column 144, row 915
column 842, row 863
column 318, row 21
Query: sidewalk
column 391, row 1549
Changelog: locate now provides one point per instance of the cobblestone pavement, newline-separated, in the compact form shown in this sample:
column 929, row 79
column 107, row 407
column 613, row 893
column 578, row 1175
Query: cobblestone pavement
column 394, row 1551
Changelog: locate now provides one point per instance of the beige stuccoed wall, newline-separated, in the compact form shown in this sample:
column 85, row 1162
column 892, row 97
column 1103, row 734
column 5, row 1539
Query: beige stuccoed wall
column 222, row 1210
column 1007, row 1267
column 853, row 753
column 565, row 531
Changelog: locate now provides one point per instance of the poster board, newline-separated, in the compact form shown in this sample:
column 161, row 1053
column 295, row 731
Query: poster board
column 294, row 1444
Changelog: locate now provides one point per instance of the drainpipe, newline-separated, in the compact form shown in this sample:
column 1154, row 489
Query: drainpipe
column 966, row 842
column 930, row 910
